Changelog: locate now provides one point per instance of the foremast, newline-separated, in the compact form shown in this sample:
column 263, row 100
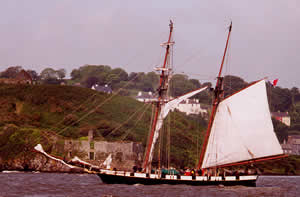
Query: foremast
column 218, row 95
column 162, row 94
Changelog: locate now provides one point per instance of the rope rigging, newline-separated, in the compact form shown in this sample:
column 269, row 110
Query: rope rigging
column 126, row 120
column 98, row 106
column 137, row 121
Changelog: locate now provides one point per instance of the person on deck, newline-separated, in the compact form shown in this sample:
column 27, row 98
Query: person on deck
column 188, row 173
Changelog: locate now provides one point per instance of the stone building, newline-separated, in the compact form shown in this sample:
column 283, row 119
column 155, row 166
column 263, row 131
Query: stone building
column 125, row 154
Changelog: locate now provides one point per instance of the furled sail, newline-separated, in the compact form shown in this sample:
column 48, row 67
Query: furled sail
column 242, row 129
column 165, row 108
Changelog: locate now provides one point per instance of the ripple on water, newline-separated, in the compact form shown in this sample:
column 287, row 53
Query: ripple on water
column 73, row 185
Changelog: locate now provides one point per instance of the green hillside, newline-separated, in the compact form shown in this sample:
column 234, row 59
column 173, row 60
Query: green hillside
column 30, row 114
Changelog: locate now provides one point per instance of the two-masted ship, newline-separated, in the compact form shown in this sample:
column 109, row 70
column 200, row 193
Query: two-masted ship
column 240, row 131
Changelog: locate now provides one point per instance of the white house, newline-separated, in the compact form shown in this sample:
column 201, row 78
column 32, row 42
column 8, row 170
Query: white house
column 191, row 106
column 145, row 97
column 282, row 117
column 188, row 106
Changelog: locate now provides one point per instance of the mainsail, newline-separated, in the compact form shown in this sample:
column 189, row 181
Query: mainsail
column 165, row 108
column 242, row 129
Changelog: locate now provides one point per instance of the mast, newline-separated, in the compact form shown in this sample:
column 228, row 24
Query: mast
column 218, row 93
column 162, row 90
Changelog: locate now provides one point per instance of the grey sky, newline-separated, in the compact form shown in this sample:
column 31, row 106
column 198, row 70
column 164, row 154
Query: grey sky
column 70, row 33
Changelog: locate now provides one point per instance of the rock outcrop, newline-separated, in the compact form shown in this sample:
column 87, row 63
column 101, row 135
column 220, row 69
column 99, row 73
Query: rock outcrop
column 39, row 162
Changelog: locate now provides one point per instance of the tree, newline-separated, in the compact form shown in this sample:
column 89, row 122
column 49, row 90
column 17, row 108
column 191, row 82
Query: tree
column 33, row 74
column 61, row 73
column 86, row 71
column 233, row 84
column 132, row 76
column 280, row 130
column 11, row 72
column 150, row 81
column 195, row 82
column 48, row 73
column 75, row 74
column 280, row 99
column 180, row 85
column 122, row 74
column 90, row 81
column 49, row 76
column 208, row 84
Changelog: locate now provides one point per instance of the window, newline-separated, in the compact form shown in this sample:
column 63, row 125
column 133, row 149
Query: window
column 92, row 156
column 92, row 145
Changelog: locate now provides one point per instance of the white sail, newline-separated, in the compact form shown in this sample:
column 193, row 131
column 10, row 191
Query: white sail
column 40, row 149
column 165, row 108
column 242, row 129
column 107, row 162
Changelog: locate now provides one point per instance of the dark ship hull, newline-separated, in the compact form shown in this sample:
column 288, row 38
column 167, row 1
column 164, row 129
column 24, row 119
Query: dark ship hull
column 131, row 179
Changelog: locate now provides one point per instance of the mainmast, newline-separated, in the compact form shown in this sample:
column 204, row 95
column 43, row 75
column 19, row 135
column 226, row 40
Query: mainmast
column 218, row 95
column 162, row 93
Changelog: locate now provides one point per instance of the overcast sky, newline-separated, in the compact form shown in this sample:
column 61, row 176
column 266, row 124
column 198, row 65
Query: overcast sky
column 67, row 34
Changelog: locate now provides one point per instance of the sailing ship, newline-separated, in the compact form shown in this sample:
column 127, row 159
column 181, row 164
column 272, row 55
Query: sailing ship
column 240, row 131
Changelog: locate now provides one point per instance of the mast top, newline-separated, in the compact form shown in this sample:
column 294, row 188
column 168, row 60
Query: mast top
column 171, row 25
column 230, row 26
column 228, row 36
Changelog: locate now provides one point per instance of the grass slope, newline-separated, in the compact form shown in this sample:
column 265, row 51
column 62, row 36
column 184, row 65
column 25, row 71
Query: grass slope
column 31, row 114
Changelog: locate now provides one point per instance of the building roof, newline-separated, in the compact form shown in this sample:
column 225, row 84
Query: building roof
column 104, row 88
column 190, row 101
column 143, row 95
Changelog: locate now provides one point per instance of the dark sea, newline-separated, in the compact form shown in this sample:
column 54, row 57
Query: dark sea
column 63, row 185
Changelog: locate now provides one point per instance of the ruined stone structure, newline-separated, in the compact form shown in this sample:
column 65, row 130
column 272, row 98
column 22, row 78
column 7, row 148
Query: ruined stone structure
column 124, row 154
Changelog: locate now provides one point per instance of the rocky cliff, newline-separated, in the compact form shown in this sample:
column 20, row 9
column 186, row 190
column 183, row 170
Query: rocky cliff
column 38, row 162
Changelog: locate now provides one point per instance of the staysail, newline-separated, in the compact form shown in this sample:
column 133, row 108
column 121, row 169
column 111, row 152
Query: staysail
column 165, row 108
column 108, row 161
column 242, row 129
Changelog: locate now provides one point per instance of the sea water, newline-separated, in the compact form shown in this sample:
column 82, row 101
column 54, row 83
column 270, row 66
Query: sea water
column 69, row 185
